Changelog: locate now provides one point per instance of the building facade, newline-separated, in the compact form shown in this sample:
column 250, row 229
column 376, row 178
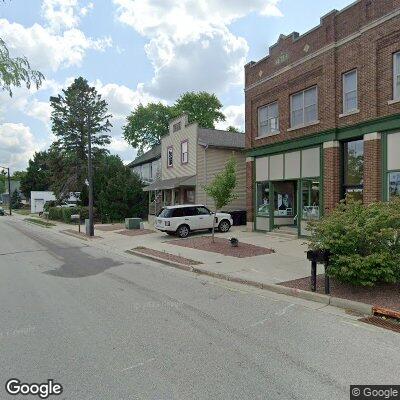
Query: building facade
column 148, row 165
column 190, row 158
column 323, row 117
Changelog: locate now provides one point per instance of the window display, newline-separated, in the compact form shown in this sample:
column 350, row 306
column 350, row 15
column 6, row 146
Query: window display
column 394, row 185
column 310, row 199
column 263, row 198
column 284, row 196
column 354, row 169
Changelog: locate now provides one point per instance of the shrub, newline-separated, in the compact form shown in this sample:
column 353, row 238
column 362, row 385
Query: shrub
column 364, row 242
column 64, row 213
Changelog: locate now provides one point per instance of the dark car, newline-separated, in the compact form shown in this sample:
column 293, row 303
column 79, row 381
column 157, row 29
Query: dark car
column 2, row 211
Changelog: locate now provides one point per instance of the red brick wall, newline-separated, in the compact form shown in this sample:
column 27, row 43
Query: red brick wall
column 331, row 178
column 372, row 171
column 371, row 53
column 249, row 190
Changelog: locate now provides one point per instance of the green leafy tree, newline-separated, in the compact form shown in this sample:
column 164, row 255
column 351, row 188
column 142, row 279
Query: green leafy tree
column 38, row 174
column 364, row 242
column 3, row 181
column 75, row 112
column 231, row 128
column 118, row 191
column 222, row 188
column 146, row 125
column 18, row 175
column 16, row 201
column 202, row 107
column 14, row 72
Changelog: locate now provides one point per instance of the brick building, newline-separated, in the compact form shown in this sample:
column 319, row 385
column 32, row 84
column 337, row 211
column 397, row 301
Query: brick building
column 323, row 117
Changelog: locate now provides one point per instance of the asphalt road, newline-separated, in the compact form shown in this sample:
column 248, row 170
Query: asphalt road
column 112, row 326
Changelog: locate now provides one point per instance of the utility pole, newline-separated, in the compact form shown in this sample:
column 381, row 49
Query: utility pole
column 90, row 180
column 9, row 187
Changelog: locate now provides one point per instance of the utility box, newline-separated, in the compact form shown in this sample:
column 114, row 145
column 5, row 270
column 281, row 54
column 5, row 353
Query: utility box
column 133, row 223
column 87, row 227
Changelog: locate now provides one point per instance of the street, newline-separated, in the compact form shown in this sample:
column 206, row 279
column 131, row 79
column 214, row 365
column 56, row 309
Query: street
column 106, row 325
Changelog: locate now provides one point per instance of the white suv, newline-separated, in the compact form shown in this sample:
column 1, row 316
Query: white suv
column 183, row 219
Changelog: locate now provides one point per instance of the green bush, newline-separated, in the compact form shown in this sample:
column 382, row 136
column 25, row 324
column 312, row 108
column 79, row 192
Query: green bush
column 64, row 213
column 364, row 242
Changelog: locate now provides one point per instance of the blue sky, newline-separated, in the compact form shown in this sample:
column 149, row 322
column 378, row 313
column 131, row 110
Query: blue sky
column 137, row 51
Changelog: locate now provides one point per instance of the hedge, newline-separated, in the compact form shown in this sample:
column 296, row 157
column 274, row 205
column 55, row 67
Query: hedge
column 64, row 213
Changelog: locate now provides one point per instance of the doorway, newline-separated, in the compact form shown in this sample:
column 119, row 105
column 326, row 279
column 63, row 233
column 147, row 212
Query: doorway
column 284, row 207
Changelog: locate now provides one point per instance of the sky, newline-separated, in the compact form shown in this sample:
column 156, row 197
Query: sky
column 137, row 51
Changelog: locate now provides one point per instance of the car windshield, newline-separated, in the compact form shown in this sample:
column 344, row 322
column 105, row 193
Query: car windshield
column 166, row 213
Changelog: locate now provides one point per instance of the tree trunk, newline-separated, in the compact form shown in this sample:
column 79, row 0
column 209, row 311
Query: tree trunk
column 213, row 228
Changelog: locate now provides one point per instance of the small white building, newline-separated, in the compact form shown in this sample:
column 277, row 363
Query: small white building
column 38, row 199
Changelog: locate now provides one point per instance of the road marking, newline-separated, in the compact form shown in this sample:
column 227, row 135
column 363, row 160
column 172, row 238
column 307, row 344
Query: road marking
column 358, row 325
column 138, row 365
column 260, row 322
column 283, row 312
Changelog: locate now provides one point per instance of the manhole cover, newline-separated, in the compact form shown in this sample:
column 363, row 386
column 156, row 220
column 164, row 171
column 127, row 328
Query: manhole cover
column 383, row 323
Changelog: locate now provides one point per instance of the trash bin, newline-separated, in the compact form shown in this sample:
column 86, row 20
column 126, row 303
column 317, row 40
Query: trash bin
column 239, row 217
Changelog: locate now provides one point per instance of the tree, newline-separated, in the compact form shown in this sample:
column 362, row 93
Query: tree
column 3, row 179
column 16, row 71
column 78, row 110
column 231, row 128
column 221, row 189
column 38, row 174
column 202, row 107
column 118, row 191
column 18, row 175
column 16, row 199
column 147, row 125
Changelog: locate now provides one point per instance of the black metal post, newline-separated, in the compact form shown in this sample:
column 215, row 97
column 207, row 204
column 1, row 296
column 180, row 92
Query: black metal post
column 90, row 180
column 313, row 275
column 9, row 190
column 327, row 281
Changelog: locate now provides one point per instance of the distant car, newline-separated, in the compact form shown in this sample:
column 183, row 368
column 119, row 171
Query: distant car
column 2, row 212
column 183, row 219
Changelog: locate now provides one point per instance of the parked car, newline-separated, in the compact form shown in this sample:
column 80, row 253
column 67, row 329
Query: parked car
column 183, row 219
column 2, row 212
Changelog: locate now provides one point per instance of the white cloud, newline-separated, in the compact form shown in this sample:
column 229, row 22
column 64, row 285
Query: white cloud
column 190, row 45
column 234, row 117
column 40, row 110
column 60, row 14
column 47, row 50
column 17, row 145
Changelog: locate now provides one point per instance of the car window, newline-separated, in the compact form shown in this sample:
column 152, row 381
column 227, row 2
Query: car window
column 178, row 212
column 166, row 213
column 203, row 211
column 190, row 211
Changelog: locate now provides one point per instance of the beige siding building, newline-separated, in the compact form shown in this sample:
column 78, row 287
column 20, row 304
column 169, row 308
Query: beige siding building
column 190, row 158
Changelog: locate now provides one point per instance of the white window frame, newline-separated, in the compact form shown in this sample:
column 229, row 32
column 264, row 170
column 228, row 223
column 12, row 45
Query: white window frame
column 270, row 132
column 396, row 89
column 183, row 153
column 353, row 110
column 303, row 124
column 170, row 149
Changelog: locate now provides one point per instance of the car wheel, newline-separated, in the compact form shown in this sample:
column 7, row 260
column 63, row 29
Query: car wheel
column 224, row 226
column 183, row 231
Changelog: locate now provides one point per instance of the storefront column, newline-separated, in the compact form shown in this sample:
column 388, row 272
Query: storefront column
column 372, row 168
column 331, row 175
column 249, row 192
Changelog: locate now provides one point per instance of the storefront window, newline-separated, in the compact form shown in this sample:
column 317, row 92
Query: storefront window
column 310, row 199
column 263, row 198
column 354, row 169
column 394, row 185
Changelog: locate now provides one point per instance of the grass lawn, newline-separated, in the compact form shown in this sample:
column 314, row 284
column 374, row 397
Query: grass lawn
column 39, row 222
column 23, row 211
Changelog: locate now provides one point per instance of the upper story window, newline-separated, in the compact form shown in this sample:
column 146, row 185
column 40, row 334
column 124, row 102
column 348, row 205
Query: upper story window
column 396, row 77
column 170, row 157
column 268, row 120
column 176, row 127
column 304, row 107
column 350, row 92
column 184, row 152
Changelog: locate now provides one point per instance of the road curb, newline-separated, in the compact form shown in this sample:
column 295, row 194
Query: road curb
column 362, row 308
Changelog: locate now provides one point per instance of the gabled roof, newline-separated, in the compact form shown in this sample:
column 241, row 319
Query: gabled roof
column 151, row 155
column 224, row 139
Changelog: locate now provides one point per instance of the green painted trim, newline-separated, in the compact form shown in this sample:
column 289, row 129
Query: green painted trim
column 382, row 124
column 321, row 182
column 271, row 204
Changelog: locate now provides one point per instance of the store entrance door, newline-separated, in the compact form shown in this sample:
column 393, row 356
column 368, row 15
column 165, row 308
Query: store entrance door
column 285, row 205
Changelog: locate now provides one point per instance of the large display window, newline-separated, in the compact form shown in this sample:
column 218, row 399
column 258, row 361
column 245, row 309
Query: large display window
column 263, row 199
column 284, row 199
column 353, row 169
column 310, row 190
column 394, row 185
